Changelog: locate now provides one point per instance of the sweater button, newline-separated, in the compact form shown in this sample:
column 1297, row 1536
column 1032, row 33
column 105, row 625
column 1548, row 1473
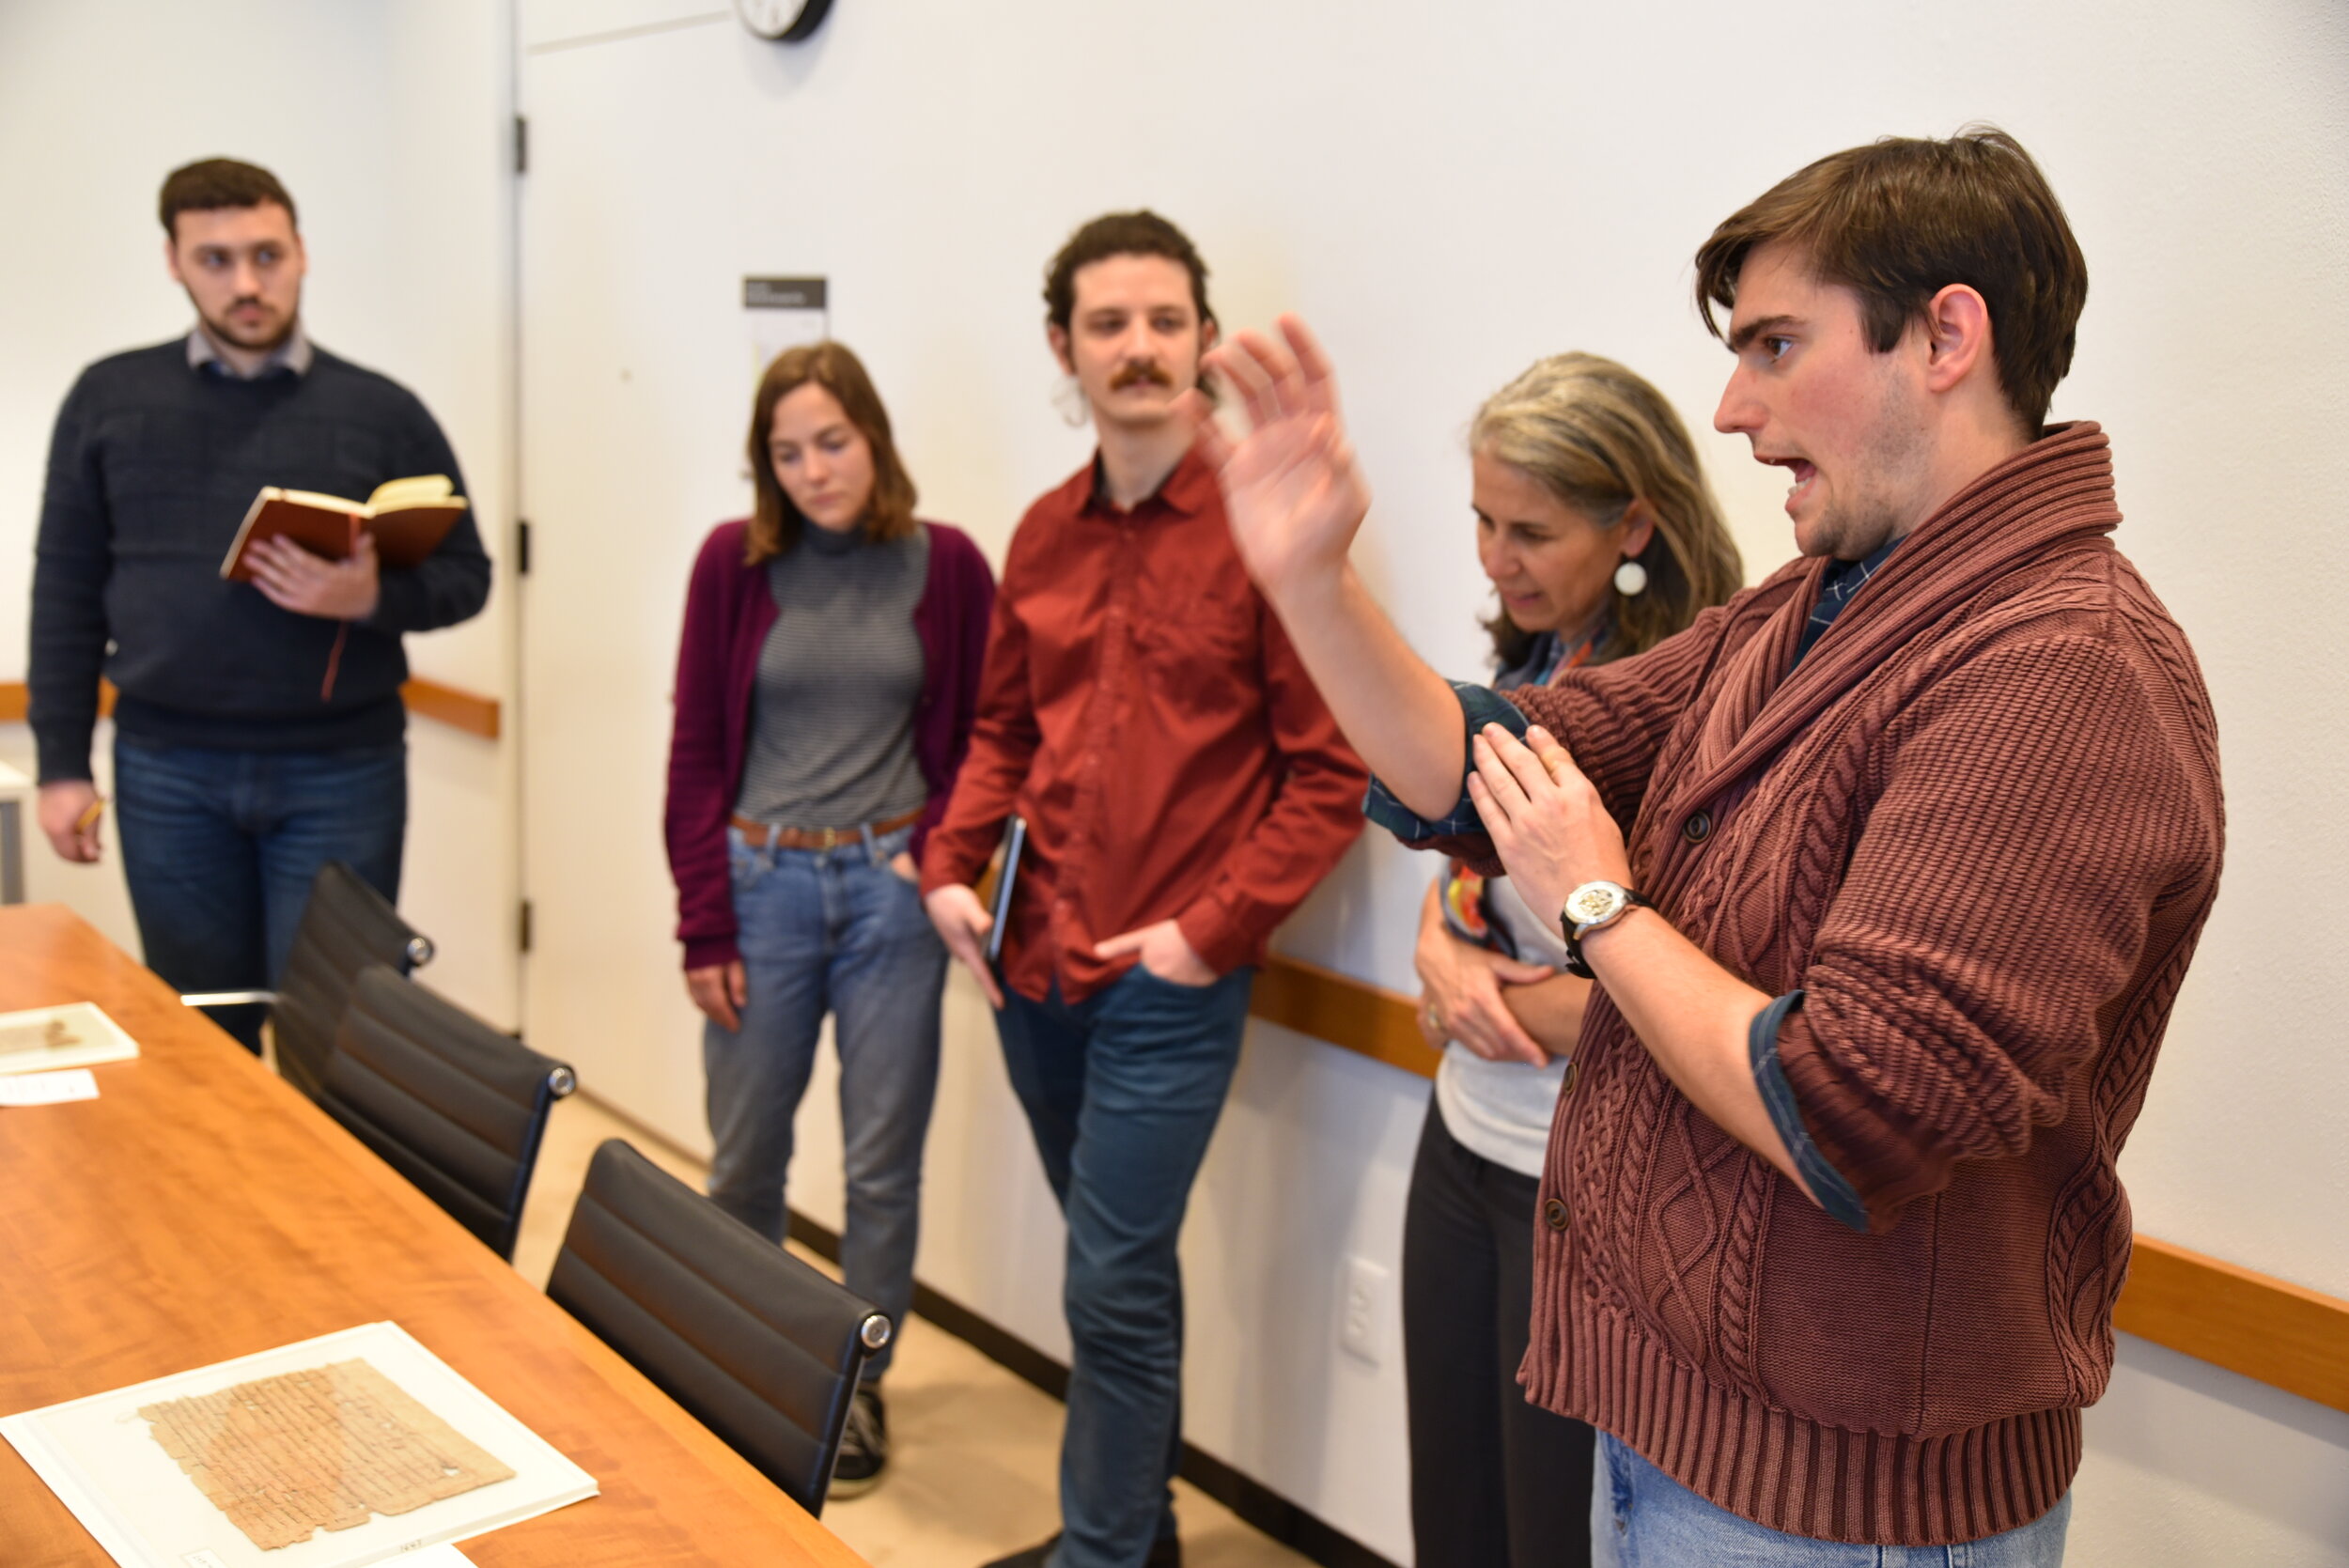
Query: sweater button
column 1565, row 1084
column 1698, row 828
column 1554, row 1214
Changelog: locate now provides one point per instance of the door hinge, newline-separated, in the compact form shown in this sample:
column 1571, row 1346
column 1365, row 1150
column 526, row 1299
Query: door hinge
column 522, row 548
column 522, row 145
column 523, row 926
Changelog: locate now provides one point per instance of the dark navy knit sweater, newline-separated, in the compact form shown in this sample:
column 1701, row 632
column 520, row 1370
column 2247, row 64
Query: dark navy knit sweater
column 153, row 468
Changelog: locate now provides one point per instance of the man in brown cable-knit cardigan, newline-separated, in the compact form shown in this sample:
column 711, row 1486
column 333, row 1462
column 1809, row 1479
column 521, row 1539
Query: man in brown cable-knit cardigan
column 1889, row 870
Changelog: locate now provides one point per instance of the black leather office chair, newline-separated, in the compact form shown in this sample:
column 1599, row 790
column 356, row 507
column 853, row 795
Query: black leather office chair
column 759, row 1348
column 345, row 927
column 448, row 1102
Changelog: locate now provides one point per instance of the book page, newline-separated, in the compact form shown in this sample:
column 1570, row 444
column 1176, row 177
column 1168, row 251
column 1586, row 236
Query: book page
column 424, row 489
column 323, row 1448
column 313, row 498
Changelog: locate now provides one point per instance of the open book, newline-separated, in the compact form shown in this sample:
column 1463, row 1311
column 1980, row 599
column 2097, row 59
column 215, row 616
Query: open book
column 408, row 518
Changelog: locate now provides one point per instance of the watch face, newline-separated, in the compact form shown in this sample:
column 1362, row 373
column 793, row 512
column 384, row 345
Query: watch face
column 1593, row 901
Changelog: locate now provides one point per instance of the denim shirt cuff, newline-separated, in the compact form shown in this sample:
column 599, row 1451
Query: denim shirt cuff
column 1479, row 705
column 1835, row 1194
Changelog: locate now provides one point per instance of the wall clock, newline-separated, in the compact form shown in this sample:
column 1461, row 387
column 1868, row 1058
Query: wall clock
column 783, row 20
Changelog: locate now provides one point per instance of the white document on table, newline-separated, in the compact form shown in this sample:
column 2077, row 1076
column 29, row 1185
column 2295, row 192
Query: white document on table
column 77, row 1034
column 73, row 1083
column 109, row 1464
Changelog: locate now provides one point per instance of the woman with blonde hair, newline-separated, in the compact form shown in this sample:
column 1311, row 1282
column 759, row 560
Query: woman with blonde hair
column 1601, row 538
column 827, row 683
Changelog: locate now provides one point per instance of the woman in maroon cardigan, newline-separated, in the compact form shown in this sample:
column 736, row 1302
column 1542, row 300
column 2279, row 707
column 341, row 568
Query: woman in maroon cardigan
column 825, row 691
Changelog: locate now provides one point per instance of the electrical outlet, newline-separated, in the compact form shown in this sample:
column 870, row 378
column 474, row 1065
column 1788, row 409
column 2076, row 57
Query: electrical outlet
column 1362, row 1311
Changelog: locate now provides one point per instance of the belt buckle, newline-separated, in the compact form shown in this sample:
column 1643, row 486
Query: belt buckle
column 828, row 838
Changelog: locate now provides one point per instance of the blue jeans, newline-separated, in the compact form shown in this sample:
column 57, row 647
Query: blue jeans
column 220, row 848
column 831, row 930
column 1122, row 1091
column 1642, row 1519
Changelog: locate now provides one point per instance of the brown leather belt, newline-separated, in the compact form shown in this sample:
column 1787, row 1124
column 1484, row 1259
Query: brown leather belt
column 759, row 835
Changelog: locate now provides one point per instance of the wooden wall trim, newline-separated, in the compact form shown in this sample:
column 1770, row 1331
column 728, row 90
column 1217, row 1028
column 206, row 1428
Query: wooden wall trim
column 2269, row 1329
column 427, row 699
column 452, row 706
column 1368, row 1019
column 2283, row 1334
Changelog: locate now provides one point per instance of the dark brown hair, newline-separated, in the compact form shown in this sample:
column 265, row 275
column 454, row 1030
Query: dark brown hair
column 215, row 182
column 1599, row 437
column 775, row 522
column 1899, row 221
column 1138, row 233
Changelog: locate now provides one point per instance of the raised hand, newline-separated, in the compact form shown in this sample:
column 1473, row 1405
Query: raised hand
column 1291, row 486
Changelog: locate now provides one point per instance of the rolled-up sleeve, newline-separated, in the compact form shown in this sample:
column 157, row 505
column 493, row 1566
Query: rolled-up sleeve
column 1479, row 705
column 1826, row 1184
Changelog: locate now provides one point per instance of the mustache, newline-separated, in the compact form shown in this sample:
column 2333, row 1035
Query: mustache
column 1145, row 373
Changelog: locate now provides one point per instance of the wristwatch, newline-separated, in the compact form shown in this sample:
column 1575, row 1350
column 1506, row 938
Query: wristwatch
column 1593, row 907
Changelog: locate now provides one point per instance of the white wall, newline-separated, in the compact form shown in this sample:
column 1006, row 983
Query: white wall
column 1448, row 195
column 385, row 119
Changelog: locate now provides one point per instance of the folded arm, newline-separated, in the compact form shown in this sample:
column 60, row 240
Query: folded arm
column 1998, row 916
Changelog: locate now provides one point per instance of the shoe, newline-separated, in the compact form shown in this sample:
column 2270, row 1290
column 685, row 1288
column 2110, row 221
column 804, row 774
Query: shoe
column 863, row 1445
column 1165, row 1552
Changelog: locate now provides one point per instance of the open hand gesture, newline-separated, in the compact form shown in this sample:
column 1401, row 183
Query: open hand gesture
column 1291, row 486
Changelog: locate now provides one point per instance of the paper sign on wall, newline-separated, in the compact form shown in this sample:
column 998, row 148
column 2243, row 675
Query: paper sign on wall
column 782, row 313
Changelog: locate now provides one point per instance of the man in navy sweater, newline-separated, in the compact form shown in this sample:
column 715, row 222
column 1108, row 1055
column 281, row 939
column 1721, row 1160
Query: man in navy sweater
column 258, row 729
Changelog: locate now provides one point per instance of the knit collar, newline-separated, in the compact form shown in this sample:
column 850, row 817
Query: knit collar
column 2054, row 494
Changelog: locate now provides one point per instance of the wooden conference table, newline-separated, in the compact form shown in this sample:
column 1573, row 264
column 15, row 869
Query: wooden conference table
column 201, row 1209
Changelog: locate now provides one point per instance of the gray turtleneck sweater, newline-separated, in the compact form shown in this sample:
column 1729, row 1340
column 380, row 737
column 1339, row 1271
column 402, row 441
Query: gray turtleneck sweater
column 832, row 717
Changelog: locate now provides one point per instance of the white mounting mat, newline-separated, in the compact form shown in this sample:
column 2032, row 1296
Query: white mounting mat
column 328, row 1433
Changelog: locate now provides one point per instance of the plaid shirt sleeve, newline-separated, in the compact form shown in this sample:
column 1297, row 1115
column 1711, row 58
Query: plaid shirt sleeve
column 1479, row 705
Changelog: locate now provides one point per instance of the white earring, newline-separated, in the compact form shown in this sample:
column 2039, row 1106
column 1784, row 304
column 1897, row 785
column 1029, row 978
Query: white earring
column 1630, row 578
column 1069, row 399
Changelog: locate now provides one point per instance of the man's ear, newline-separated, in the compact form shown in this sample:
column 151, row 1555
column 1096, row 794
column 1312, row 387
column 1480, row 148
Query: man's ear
column 1957, row 337
column 1209, row 335
column 1057, row 336
column 171, row 260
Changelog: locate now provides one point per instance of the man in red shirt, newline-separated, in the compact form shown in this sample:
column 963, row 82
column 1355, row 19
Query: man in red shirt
column 1184, row 788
